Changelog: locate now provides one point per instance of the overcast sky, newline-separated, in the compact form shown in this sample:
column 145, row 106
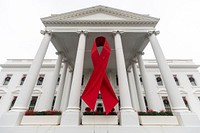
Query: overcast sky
column 179, row 25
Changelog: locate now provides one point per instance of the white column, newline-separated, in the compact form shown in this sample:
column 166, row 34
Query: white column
column 60, row 87
column 125, row 100
column 152, row 97
column 48, row 94
column 133, row 91
column 172, row 89
column 14, row 117
column 185, row 117
column 66, row 91
column 24, row 97
column 72, row 116
column 139, row 88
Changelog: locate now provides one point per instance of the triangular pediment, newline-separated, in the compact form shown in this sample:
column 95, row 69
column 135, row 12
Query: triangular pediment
column 99, row 15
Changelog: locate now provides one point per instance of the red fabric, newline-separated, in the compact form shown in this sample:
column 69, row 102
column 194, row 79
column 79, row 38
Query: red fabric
column 98, row 80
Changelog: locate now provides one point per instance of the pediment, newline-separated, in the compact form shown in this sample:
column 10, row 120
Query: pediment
column 99, row 15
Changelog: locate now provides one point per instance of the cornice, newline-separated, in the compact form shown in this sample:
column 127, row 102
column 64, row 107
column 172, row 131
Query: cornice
column 130, row 18
column 100, row 23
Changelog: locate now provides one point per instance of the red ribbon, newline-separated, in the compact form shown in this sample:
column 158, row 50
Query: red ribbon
column 98, row 80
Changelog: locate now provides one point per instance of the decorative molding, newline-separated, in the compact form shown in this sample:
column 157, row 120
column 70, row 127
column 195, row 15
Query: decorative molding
column 129, row 18
column 43, row 32
column 153, row 32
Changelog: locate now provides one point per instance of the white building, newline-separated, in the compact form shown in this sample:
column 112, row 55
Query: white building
column 33, row 84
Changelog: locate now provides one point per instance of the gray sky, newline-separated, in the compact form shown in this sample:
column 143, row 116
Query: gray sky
column 179, row 25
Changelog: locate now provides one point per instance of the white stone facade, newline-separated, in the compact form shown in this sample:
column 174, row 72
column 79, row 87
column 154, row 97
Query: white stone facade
column 17, row 68
column 172, row 85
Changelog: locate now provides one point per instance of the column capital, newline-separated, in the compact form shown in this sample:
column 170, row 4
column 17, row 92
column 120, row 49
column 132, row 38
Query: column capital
column 140, row 53
column 43, row 32
column 82, row 32
column 117, row 32
column 59, row 53
column 153, row 32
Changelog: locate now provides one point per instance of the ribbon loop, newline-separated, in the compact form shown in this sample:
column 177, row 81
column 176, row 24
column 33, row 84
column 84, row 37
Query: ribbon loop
column 98, row 80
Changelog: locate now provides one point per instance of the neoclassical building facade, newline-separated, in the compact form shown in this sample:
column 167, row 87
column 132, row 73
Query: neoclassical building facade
column 139, row 85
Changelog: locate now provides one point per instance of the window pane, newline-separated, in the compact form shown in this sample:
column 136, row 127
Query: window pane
column 23, row 79
column 54, row 99
column 40, row 80
column 186, row 102
column 7, row 79
column 13, row 102
column 192, row 80
column 159, row 80
column 166, row 103
column 33, row 102
column 176, row 80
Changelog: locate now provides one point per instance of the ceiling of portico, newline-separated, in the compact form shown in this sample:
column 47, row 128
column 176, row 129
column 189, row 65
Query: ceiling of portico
column 100, row 21
column 68, row 42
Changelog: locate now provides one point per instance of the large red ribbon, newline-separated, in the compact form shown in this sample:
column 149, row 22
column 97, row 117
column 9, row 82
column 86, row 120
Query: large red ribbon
column 98, row 80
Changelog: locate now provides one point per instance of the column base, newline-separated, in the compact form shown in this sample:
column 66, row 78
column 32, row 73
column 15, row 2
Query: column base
column 71, row 118
column 11, row 118
column 129, row 118
column 187, row 118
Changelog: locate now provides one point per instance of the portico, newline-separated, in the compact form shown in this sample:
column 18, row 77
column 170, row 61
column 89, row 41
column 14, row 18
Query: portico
column 72, row 35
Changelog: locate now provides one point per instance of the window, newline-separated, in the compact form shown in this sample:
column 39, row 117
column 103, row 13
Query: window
column 40, row 79
column 54, row 99
column 159, row 80
column 186, row 102
column 58, row 79
column 99, row 107
column 23, row 79
column 141, row 79
column 7, row 79
column 192, row 80
column 176, row 80
column 117, row 80
column 33, row 102
column 166, row 103
column 13, row 102
column 199, row 98
column 82, row 81
column 145, row 101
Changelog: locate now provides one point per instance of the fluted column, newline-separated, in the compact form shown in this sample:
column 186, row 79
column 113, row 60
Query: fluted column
column 73, row 110
column 152, row 97
column 125, row 100
column 60, row 87
column 139, row 88
column 66, row 91
column 172, row 89
column 23, row 99
column 133, row 91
